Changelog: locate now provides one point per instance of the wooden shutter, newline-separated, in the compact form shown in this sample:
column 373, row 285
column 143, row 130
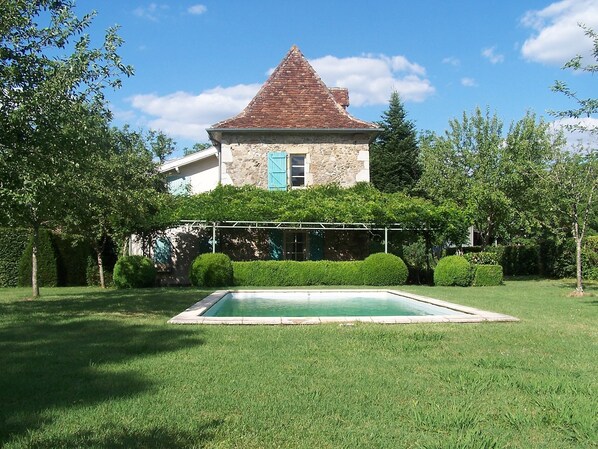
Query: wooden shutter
column 277, row 170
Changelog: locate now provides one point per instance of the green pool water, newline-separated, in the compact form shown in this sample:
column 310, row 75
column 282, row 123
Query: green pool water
column 323, row 304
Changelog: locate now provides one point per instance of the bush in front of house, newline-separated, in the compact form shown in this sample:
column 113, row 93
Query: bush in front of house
column 290, row 273
column 453, row 270
column 384, row 269
column 487, row 275
column 134, row 272
column 211, row 270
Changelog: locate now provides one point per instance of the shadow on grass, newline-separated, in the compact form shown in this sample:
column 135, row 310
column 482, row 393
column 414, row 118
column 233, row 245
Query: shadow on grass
column 152, row 301
column 53, row 365
column 152, row 438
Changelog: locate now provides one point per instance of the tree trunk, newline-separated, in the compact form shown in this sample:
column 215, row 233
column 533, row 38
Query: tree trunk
column 101, row 269
column 34, row 251
column 579, row 287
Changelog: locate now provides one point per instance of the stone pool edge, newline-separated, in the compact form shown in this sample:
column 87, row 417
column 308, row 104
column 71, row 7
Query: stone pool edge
column 192, row 315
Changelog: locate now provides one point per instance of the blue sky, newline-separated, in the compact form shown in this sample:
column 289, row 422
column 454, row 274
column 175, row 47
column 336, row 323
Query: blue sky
column 198, row 62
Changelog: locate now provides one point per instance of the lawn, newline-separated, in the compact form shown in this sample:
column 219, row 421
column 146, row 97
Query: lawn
column 87, row 368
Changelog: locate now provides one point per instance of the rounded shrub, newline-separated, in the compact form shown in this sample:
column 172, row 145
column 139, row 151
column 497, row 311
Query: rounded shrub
column 487, row 275
column 211, row 270
column 134, row 272
column 453, row 270
column 384, row 269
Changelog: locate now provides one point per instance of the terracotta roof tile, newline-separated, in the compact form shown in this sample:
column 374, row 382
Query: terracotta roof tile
column 294, row 97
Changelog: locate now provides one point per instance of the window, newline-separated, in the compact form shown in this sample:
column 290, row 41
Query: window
column 178, row 185
column 297, row 171
column 295, row 246
column 162, row 253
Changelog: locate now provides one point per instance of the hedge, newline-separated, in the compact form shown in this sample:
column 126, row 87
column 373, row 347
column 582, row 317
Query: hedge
column 211, row 270
column 71, row 257
column 384, row 269
column 487, row 275
column 482, row 258
column 453, row 270
column 589, row 257
column 290, row 273
column 134, row 272
column 47, row 268
column 13, row 243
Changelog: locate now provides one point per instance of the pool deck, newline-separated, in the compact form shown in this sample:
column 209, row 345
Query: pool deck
column 193, row 315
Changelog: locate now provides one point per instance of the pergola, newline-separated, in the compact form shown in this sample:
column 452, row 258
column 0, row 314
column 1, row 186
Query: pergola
column 294, row 226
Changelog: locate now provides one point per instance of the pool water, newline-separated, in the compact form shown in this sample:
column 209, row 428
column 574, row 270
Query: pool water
column 323, row 304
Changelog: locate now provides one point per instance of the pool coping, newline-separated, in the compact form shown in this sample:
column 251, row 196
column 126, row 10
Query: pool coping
column 193, row 314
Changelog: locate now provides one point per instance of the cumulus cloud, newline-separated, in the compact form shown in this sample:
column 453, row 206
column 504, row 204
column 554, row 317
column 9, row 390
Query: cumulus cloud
column 556, row 35
column 197, row 9
column 468, row 82
column 490, row 54
column 150, row 12
column 578, row 131
column 187, row 115
column 371, row 79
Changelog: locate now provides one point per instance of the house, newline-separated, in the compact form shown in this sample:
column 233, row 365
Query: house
column 295, row 133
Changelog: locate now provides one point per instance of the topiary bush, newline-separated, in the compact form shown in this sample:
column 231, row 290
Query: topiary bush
column 487, row 275
column 453, row 270
column 134, row 272
column 47, row 269
column 211, row 270
column 384, row 269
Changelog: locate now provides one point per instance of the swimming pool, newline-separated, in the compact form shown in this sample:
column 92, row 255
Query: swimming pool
column 321, row 306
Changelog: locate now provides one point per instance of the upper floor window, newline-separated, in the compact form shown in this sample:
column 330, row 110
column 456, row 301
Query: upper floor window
column 297, row 170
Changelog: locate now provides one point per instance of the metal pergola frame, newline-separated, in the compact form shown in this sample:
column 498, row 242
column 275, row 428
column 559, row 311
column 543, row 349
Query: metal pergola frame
column 293, row 225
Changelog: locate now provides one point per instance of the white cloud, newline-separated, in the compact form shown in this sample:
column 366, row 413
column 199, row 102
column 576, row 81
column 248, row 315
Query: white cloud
column 451, row 60
column 197, row 9
column 468, row 82
column 150, row 12
column 557, row 36
column 371, row 79
column 578, row 131
column 185, row 115
column 490, row 54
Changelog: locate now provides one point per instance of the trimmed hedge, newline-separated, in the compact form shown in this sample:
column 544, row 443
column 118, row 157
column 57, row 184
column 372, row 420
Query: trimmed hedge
column 211, row 270
column 384, row 269
column 13, row 243
column 453, row 270
column 518, row 260
column 487, row 275
column 71, row 256
column 47, row 268
column 589, row 257
column 134, row 272
column 290, row 273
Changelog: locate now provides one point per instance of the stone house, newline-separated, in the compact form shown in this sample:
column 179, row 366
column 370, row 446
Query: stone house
column 295, row 133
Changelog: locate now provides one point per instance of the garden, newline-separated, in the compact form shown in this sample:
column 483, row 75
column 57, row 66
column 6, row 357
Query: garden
column 86, row 367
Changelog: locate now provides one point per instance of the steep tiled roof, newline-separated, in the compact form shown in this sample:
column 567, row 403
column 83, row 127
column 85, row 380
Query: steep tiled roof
column 294, row 97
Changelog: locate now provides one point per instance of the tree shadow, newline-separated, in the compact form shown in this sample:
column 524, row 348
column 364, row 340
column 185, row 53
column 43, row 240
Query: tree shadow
column 53, row 364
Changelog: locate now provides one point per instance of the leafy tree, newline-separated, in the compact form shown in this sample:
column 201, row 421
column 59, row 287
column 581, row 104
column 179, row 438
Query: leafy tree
column 574, row 174
column 51, row 94
column 487, row 173
column 394, row 156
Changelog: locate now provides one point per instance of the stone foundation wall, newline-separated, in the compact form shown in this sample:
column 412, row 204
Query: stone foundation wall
column 331, row 158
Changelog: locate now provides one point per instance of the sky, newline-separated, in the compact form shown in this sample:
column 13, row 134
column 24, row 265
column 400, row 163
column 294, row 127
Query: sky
column 201, row 61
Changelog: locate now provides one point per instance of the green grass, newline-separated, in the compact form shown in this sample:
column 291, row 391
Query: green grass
column 102, row 369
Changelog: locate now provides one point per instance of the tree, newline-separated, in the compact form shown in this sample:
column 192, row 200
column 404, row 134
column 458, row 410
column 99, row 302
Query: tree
column 487, row 173
column 195, row 148
column 122, row 191
column 394, row 156
column 51, row 96
column 574, row 174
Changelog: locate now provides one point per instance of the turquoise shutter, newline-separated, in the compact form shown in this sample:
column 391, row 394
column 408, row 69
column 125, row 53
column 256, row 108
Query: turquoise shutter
column 277, row 171
column 162, row 251
column 275, row 241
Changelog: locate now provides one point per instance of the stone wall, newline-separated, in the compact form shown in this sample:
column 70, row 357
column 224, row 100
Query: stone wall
column 341, row 158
